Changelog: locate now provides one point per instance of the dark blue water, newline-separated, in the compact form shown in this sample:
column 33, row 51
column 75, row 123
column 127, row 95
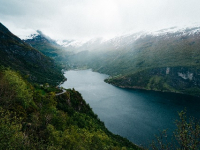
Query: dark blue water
column 135, row 114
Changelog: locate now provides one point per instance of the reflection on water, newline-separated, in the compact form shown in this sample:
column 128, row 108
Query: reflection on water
column 135, row 114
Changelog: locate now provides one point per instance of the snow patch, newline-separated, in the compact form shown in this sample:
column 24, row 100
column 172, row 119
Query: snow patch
column 167, row 70
column 186, row 76
column 31, row 36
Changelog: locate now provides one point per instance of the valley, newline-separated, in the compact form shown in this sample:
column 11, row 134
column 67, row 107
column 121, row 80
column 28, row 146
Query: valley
column 135, row 114
column 35, row 113
column 99, row 75
column 168, row 61
column 165, row 62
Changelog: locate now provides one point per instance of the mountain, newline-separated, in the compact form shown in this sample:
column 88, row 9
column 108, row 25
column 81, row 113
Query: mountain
column 19, row 56
column 44, row 117
column 48, row 47
column 167, row 60
column 76, row 46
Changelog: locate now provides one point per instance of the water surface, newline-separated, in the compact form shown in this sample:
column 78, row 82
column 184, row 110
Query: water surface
column 135, row 114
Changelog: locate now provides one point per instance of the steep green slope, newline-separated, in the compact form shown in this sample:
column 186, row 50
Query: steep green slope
column 172, row 57
column 43, row 43
column 48, row 47
column 31, row 63
column 35, row 118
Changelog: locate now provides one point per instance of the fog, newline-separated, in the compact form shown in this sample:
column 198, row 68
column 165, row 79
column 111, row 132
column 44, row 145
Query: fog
column 73, row 19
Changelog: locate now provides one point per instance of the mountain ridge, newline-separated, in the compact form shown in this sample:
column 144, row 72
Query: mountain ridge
column 148, row 58
column 33, row 116
column 48, row 47
column 132, row 36
column 30, row 62
column 124, row 58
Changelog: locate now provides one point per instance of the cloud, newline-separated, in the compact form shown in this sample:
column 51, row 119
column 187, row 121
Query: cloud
column 71, row 19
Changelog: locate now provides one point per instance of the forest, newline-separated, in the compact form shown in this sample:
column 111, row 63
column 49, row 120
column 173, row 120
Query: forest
column 33, row 117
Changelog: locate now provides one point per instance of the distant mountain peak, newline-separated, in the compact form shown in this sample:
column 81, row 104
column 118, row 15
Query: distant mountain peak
column 39, row 36
column 32, row 36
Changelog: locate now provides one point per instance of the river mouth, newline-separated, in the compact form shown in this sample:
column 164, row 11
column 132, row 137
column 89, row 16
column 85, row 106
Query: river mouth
column 135, row 114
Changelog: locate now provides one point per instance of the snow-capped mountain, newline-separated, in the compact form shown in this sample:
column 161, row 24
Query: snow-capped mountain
column 140, row 58
column 31, row 36
column 165, row 60
column 80, row 45
column 128, row 39
column 123, row 41
column 118, row 42
column 45, row 44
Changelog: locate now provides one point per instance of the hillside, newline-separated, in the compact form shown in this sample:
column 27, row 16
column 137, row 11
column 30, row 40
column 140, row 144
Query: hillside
column 163, row 61
column 38, row 117
column 16, row 54
column 48, row 47
column 33, row 117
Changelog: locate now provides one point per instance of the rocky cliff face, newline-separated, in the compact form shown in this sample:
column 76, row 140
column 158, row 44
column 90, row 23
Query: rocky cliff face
column 20, row 56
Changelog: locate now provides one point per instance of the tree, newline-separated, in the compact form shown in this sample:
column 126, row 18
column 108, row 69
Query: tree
column 13, row 89
column 186, row 136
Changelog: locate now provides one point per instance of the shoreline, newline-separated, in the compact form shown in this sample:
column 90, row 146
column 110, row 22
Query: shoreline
column 145, row 89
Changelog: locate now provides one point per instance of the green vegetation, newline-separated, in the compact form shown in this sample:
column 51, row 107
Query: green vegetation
column 158, row 80
column 50, row 48
column 186, row 136
column 32, row 64
column 33, row 117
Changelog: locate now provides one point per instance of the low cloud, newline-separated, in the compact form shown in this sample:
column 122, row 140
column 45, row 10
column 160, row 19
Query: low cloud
column 73, row 19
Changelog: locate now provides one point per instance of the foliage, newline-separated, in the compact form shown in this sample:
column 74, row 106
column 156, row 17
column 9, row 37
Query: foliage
column 188, row 132
column 18, row 86
column 35, row 118
column 186, row 136
column 11, row 136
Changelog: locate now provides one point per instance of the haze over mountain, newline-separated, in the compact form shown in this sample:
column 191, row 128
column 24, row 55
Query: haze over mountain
column 123, row 40
column 150, row 45
column 166, row 60
column 44, row 44
column 88, row 19
column 124, row 55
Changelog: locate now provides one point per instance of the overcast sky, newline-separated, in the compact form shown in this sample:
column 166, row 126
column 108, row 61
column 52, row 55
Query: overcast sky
column 77, row 19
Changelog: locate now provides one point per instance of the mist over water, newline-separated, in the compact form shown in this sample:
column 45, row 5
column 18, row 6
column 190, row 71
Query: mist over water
column 135, row 114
